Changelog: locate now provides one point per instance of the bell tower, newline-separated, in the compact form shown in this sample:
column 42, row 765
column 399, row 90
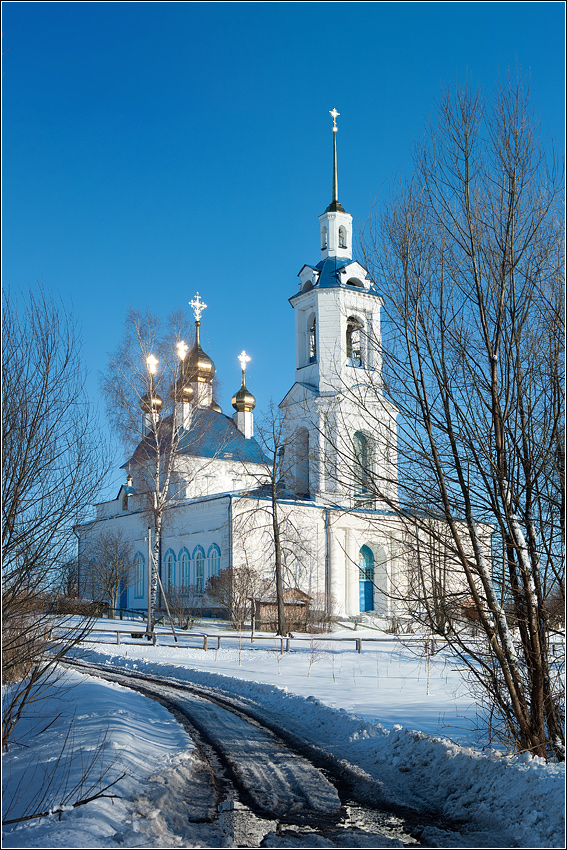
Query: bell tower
column 336, row 399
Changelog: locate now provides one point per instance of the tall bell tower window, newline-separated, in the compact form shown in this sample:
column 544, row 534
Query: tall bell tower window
column 354, row 342
column 342, row 237
column 361, row 470
column 324, row 238
column 313, row 340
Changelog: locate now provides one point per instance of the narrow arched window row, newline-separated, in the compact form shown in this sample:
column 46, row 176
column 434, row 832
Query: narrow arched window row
column 199, row 560
column 169, row 569
column 184, row 577
column 214, row 560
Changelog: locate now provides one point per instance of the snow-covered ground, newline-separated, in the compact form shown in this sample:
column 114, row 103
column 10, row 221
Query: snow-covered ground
column 402, row 719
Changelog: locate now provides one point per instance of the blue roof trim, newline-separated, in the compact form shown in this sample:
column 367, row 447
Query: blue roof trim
column 330, row 278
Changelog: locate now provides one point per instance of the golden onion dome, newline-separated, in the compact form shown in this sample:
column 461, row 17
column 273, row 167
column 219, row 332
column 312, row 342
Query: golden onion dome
column 181, row 391
column 216, row 407
column 198, row 366
column 151, row 403
column 243, row 401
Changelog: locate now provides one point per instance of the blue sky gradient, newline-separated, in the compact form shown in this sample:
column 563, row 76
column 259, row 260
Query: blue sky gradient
column 153, row 150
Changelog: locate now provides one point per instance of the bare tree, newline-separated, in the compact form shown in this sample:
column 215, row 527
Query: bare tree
column 266, row 519
column 468, row 256
column 111, row 567
column 234, row 589
column 153, row 405
column 53, row 464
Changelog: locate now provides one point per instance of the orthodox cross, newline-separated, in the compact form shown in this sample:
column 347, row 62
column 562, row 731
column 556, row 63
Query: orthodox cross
column 152, row 363
column 335, row 115
column 198, row 307
column 244, row 359
column 182, row 349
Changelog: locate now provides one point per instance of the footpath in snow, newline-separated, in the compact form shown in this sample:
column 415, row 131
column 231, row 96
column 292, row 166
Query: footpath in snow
column 402, row 720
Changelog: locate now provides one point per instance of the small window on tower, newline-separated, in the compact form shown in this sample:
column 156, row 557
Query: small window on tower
column 342, row 238
column 324, row 238
column 354, row 342
column 313, row 341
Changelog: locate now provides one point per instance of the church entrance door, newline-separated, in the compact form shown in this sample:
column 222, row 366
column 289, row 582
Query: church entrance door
column 366, row 578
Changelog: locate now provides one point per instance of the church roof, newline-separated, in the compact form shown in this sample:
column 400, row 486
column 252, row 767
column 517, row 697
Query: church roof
column 211, row 435
column 215, row 435
column 330, row 274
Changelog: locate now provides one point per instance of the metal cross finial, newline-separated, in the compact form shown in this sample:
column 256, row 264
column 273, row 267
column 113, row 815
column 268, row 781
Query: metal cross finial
column 182, row 349
column 244, row 359
column 198, row 307
column 335, row 115
column 152, row 363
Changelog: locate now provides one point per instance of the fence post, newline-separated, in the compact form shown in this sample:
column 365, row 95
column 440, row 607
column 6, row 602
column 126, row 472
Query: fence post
column 205, row 642
column 287, row 645
column 359, row 645
column 281, row 646
column 154, row 641
column 118, row 638
column 218, row 642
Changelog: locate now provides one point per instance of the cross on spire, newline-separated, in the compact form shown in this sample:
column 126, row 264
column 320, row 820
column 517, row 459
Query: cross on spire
column 198, row 307
column 335, row 115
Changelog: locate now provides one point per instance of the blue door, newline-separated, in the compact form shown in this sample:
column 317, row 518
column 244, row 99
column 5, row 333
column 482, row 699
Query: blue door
column 123, row 600
column 366, row 579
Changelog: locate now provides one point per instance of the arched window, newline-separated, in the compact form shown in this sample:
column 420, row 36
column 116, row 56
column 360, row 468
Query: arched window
column 313, row 340
column 214, row 560
column 354, row 341
column 361, row 465
column 139, row 575
column 125, row 501
column 324, row 238
column 366, row 578
column 169, row 569
column 184, row 568
column 342, row 237
column 199, row 558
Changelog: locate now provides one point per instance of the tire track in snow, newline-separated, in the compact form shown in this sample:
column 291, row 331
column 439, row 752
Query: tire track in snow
column 273, row 777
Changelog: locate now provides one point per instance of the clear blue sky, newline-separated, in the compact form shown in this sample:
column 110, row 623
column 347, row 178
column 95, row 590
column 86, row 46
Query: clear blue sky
column 151, row 150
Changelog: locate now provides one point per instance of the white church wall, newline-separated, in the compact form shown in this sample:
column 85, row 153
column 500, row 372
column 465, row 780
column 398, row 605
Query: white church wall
column 191, row 527
column 200, row 477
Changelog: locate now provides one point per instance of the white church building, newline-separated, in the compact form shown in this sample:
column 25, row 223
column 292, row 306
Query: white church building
column 342, row 546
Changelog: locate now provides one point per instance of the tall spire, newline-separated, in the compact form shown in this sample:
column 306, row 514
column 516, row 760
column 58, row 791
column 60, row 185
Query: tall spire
column 334, row 206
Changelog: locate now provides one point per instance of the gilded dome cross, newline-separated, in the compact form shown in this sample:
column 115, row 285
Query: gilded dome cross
column 244, row 359
column 198, row 307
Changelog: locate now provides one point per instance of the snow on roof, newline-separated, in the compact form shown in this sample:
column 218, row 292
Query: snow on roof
column 211, row 435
